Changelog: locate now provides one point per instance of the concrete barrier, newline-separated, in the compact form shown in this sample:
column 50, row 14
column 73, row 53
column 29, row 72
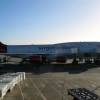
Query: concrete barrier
column 8, row 81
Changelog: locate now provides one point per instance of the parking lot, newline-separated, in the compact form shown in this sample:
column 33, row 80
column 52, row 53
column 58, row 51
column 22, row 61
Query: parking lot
column 54, row 85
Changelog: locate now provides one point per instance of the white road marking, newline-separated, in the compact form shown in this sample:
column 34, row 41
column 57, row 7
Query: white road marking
column 53, row 88
column 41, row 94
column 21, row 92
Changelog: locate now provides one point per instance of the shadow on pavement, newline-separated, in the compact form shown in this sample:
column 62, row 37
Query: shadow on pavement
column 45, row 68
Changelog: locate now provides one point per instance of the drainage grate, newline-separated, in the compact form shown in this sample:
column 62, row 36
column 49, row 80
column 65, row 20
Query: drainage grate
column 83, row 94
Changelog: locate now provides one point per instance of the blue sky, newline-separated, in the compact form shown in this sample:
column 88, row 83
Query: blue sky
column 49, row 21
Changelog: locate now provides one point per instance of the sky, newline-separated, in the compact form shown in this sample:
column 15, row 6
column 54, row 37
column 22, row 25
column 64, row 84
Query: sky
column 49, row 21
